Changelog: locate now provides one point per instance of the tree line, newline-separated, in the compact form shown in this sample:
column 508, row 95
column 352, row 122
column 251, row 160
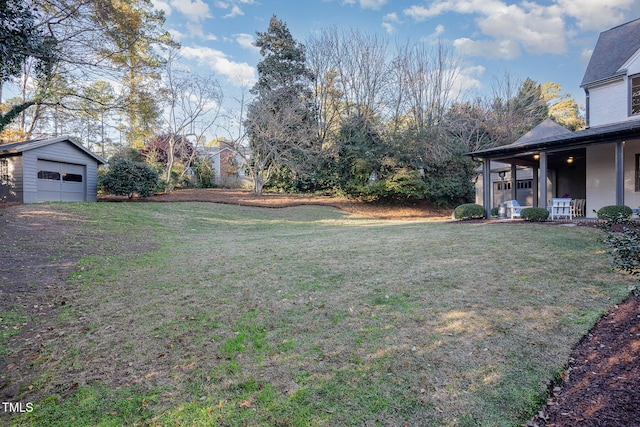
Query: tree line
column 345, row 112
column 348, row 112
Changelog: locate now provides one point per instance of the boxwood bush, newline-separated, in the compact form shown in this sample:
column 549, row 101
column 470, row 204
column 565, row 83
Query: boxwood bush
column 534, row 214
column 126, row 178
column 469, row 211
column 624, row 248
column 615, row 213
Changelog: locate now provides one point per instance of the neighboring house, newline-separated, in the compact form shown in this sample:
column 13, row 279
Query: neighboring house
column 227, row 164
column 57, row 169
column 601, row 163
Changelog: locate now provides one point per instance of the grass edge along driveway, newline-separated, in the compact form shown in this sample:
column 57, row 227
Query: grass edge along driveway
column 203, row 314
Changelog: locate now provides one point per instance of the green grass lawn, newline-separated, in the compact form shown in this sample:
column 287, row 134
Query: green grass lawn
column 199, row 314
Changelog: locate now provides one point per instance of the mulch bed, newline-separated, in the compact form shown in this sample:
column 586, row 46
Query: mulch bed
column 600, row 385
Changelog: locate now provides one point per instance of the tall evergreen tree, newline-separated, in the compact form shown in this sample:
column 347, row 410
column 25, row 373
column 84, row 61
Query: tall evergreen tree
column 280, row 122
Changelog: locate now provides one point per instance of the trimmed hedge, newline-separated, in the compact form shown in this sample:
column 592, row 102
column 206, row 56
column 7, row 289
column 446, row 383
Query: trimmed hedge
column 615, row 213
column 469, row 211
column 534, row 214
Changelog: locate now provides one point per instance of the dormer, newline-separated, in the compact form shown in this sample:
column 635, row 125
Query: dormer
column 612, row 79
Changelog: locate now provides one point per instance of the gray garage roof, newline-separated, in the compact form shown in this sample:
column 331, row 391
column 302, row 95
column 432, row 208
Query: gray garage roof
column 20, row 147
column 613, row 49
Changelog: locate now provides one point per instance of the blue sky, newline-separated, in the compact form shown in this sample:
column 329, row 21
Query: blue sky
column 547, row 40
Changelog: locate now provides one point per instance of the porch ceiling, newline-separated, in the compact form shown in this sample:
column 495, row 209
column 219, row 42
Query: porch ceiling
column 555, row 159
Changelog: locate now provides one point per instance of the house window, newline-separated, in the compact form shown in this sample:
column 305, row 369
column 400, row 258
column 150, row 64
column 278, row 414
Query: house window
column 49, row 175
column 637, row 172
column 4, row 172
column 635, row 95
column 507, row 186
column 527, row 183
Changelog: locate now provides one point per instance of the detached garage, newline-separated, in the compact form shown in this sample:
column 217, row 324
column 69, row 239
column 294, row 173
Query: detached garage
column 48, row 170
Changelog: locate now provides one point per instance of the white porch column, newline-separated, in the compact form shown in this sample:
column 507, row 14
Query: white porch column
column 534, row 186
column 620, row 173
column 486, row 187
column 542, row 181
column 514, row 182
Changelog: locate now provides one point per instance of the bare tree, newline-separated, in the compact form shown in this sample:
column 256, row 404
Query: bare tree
column 193, row 105
column 281, row 135
column 424, row 84
column 328, row 97
column 360, row 62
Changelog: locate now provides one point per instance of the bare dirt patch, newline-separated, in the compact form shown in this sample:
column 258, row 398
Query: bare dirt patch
column 40, row 248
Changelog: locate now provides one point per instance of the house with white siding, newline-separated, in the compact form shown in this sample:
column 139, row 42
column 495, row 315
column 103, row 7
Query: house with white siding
column 600, row 164
column 46, row 170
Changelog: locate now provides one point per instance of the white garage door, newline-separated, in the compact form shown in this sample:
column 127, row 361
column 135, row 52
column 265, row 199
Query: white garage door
column 61, row 182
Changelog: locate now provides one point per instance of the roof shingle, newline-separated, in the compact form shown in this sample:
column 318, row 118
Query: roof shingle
column 613, row 49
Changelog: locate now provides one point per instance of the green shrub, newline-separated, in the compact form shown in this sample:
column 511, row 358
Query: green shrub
column 126, row 178
column 534, row 214
column 615, row 213
column 469, row 211
column 494, row 211
column 624, row 248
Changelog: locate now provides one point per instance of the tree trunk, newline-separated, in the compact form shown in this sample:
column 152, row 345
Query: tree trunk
column 257, row 184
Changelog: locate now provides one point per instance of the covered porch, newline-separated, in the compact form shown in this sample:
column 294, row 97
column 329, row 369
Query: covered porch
column 598, row 166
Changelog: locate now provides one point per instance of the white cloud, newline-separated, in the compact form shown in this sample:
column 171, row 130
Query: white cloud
column 597, row 14
column 162, row 5
column 389, row 27
column 505, row 49
column 389, row 21
column 195, row 10
column 469, row 78
column 538, row 29
column 367, row 4
column 176, row 35
column 233, row 7
column 509, row 27
column 372, row 4
column 238, row 73
column 235, row 11
column 246, row 41
column 534, row 26
column 391, row 17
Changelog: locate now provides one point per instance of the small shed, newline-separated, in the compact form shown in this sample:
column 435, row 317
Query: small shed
column 48, row 170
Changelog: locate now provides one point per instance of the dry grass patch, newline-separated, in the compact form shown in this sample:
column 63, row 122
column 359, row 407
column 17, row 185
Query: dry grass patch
column 309, row 316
